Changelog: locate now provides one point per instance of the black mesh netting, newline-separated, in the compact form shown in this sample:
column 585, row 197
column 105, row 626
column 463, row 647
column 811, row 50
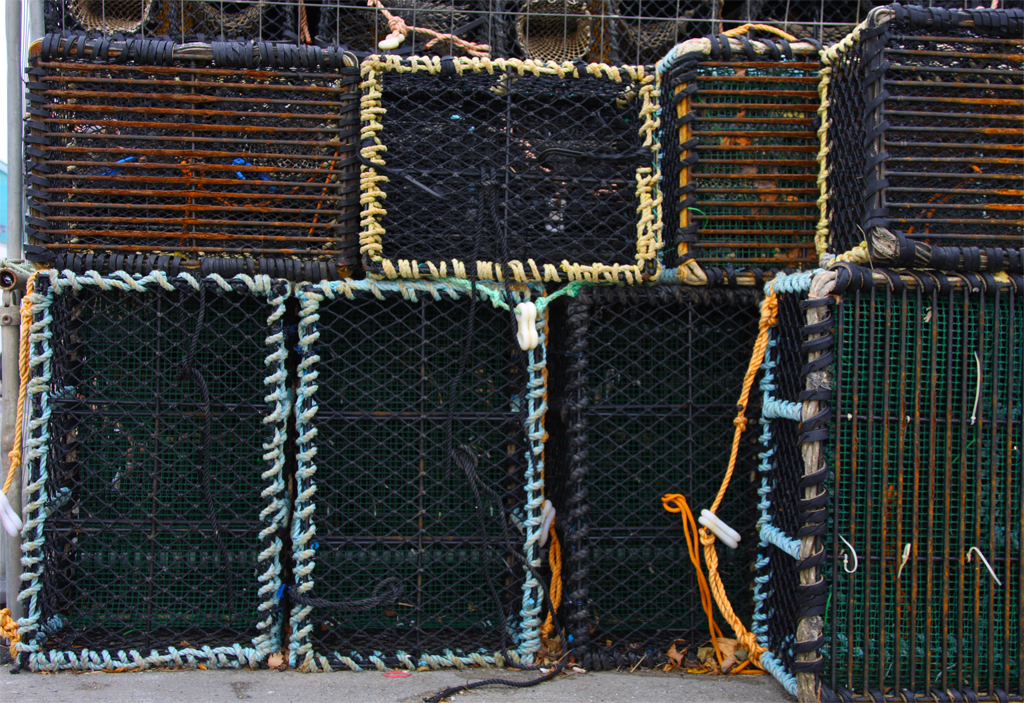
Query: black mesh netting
column 927, row 481
column 197, row 162
column 740, row 158
column 649, row 28
column 950, row 109
column 644, row 385
column 504, row 167
column 420, row 481
column 828, row 22
column 153, row 472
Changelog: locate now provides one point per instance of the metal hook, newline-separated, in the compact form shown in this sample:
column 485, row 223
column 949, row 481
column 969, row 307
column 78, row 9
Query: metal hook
column 987, row 565
column 856, row 561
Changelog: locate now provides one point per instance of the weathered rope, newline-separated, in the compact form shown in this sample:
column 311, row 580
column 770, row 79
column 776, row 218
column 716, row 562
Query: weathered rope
column 553, row 646
column 9, row 631
column 745, row 28
column 400, row 30
column 23, row 376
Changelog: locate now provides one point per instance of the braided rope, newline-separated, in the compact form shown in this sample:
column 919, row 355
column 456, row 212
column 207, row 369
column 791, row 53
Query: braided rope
column 400, row 30
column 9, row 631
column 372, row 197
column 33, row 635
column 23, row 374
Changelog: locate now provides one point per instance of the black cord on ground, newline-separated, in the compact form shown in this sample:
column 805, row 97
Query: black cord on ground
column 452, row 690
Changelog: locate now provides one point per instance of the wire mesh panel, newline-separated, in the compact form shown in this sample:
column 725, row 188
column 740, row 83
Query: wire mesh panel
column 644, row 389
column 254, row 167
column 530, row 170
column 924, row 130
column 828, row 22
column 649, row 28
column 418, row 493
column 790, row 591
column 740, row 147
column 157, row 500
column 928, row 485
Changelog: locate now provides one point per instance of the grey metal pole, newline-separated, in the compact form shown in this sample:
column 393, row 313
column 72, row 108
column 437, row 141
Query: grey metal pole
column 9, row 317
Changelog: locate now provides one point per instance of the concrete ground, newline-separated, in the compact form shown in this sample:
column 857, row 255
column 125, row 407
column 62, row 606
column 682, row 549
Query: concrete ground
column 224, row 686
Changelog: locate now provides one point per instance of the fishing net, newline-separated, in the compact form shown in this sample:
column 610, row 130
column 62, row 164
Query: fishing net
column 157, row 499
column 531, row 173
column 741, row 147
column 924, row 129
column 828, row 22
column 195, row 162
column 644, row 384
column 554, row 30
column 418, row 470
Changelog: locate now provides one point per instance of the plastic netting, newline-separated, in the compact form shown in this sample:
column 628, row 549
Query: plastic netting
column 644, row 390
column 153, row 524
column 194, row 161
column 417, row 509
column 939, row 95
column 520, row 172
column 927, row 483
column 740, row 155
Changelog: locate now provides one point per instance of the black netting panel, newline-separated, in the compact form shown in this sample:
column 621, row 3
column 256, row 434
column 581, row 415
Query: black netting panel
column 828, row 22
column 846, row 158
column 647, row 406
column 154, row 469
column 651, row 27
column 402, row 388
column 740, row 163
column 786, row 353
column 501, row 167
column 194, row 162
column 927, row 468
column 780, row 605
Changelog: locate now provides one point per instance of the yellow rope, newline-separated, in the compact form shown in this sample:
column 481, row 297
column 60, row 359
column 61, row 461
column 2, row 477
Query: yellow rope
column 9, row 631
column 769, row 317
column 555, row 560
column 743, row 29
column 23, row 372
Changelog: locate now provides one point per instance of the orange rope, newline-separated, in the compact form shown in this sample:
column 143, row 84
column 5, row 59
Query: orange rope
column 398, row 27
column 769, row 317
column 676, row 503
column 555, row 560
column 9, row 631
column 23, row 374
column 735, row 32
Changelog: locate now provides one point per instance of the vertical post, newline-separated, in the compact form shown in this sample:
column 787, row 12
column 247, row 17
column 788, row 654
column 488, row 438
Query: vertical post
column 9, row 318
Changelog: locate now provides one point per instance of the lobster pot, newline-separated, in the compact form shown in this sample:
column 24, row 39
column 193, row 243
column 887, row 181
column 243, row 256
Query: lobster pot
column 923, row 136
column 740, row 148
column 827, row 22
column 644, row 390
column 509, row 170
column 419, row 459
column 193, row 164
column 129, row 17
column 921, row 555
column 482, row 23
column 157, row 502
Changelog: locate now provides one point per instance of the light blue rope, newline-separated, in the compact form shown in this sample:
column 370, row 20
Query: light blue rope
column 300, row 650
column 36, row 510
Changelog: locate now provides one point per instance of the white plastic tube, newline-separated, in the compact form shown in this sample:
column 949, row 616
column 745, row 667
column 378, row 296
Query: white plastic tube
column 722, row 531
column 8, row 518
column 547, row 517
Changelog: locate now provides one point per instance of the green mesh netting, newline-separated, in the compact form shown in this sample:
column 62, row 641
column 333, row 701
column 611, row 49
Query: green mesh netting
column 928, row 454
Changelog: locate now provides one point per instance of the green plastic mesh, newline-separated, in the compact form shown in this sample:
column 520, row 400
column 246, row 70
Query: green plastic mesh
column 928, row 440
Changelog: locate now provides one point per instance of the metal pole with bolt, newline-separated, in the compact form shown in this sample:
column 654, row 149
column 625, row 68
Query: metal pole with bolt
column 10, row 298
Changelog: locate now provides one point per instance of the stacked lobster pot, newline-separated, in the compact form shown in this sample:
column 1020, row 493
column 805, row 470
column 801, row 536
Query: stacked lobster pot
column 891, row 517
